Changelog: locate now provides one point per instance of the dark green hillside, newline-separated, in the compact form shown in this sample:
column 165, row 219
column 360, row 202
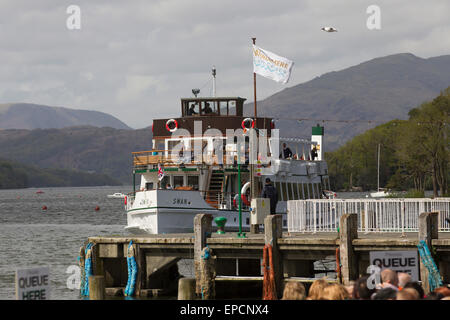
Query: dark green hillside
column 90, row 149
column 414, row 152
column 15, row 175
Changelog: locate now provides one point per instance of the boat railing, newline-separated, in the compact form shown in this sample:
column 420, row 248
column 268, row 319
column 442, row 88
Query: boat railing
column 142, row 159
column 155, row 157
column 374, row 215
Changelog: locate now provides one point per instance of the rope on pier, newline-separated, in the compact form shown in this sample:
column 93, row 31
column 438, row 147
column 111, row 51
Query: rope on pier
column 87, row 269
column 269, row 292
column 207, row 274
column 132, row 270
column 434, row 278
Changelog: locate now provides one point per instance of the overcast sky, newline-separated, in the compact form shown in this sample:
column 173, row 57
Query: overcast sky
column 135, row 59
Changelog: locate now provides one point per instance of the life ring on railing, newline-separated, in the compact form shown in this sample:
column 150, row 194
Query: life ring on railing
column 125, row 200
column 170, row 123
column 245, row 123
column 244, row 200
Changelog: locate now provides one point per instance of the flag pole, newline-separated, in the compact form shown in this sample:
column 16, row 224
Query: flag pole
column 254, row 83
column 253, row 184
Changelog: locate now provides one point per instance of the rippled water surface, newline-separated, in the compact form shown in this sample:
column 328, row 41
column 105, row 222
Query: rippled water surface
column 30, row 236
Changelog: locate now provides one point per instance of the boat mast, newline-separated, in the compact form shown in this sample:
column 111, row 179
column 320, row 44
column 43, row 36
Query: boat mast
column 214, row 80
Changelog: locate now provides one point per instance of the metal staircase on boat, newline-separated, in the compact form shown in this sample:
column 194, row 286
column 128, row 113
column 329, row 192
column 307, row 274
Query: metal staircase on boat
column 215, row 187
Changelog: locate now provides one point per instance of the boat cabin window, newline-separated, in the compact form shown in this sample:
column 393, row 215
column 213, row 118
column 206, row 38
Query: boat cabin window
column 149, row 186
column 192, row 181
column 212, row 106
column 191, row 109
column 165, row 182
column 178, row 181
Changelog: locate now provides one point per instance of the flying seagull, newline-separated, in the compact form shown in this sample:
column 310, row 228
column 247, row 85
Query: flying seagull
column 329, row 29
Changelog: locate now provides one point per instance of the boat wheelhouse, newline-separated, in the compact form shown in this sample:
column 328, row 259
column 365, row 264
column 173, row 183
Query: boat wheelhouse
column 197, row 159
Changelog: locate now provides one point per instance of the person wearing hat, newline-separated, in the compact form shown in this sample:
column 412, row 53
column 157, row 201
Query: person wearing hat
column 269, row 191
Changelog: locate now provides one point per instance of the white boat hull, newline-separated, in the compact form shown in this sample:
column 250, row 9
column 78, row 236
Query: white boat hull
column 379, row 194
column 175, row 215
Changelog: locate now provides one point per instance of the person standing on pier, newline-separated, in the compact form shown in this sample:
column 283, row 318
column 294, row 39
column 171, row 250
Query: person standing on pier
column 269, row 191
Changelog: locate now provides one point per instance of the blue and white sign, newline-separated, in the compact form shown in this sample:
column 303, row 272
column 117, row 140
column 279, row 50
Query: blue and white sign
column 270, row 65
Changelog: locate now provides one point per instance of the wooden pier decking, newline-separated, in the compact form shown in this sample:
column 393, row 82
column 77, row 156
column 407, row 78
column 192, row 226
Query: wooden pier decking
column 294, row 254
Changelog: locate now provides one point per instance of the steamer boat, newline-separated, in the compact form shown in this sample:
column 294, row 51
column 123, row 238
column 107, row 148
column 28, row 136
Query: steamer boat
column 185, row 174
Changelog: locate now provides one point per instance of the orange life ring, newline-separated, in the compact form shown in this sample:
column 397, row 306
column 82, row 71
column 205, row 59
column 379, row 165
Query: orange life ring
column 245, row 200
column 247, row 120
column 170, row 122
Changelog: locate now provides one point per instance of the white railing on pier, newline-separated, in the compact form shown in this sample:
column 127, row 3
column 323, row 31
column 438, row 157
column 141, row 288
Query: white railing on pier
column 374, row 215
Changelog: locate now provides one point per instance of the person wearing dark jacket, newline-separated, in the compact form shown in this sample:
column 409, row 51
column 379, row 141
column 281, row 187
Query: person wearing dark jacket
column 269, row 191
column 286, row 153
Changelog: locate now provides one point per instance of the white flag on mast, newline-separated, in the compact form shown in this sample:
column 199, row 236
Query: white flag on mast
column 270, row 65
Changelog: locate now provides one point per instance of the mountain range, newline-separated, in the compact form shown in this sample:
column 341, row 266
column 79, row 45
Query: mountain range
column 35, row 116
column 378, row 91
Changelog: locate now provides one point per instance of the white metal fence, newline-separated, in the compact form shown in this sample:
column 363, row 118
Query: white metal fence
column 374, row 215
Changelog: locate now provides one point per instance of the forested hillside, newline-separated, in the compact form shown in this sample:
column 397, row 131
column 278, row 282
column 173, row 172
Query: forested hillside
column 414, row 152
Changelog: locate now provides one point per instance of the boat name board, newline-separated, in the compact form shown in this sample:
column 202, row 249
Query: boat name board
column 181, row 201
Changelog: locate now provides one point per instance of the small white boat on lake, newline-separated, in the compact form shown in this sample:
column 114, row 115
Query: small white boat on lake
column 117, row 195
column 379, row 194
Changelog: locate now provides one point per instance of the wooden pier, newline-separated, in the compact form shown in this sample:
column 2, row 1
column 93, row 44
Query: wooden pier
column 227, row 258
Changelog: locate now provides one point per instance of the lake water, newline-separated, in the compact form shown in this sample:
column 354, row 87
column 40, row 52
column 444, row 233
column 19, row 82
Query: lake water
column 30, row 236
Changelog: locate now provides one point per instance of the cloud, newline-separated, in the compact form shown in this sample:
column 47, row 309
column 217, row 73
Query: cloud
column 139, row 57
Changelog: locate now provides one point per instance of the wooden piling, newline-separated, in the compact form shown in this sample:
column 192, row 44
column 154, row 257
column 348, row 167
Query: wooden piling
column 96, row 287
column 186, row 289
column 272, row 232
column 141, row 270
column 348, row 227
column 204, row 282
column 428, row 230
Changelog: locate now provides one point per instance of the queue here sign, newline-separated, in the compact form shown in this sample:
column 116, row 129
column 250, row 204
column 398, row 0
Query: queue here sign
column 399, row 261
column 33, row 284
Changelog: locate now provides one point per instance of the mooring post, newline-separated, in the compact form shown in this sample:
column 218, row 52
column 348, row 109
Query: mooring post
column 97, row 262
column 202, row 231
column 96, row 287
column 272, row 232
column 428, row 230
column 186, row 289
column 348, row 231
column 141, row 270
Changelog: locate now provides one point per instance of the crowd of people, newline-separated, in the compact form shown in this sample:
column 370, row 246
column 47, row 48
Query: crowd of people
column 392, row 286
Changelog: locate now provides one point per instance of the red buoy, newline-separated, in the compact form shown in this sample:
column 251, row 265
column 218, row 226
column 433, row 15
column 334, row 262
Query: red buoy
column 44, row 207
column 97, row 208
